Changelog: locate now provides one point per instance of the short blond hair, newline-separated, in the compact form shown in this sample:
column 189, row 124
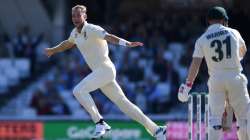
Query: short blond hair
column 81, row 7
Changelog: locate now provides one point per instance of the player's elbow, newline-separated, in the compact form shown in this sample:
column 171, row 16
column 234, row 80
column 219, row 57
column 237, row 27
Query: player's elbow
column 111, row 38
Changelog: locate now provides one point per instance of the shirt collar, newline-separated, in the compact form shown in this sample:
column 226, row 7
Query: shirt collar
column 217, row 25
column 84, row 26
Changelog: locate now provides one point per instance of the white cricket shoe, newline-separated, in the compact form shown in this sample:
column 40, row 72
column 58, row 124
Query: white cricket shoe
column 161, row 133
column 100, row 130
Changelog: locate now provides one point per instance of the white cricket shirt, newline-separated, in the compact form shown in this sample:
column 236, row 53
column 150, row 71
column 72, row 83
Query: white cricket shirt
column 91, row 44
column 220, row 46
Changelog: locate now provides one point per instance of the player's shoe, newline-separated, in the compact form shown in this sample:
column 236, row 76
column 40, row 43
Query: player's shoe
column 100, row 130
column 161, row 133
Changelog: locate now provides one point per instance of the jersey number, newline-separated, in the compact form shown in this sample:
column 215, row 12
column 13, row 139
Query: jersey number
column 218, row 49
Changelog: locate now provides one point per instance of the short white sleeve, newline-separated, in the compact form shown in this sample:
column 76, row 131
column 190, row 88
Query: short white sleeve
column 198, row 52
column 97, row 31
column 72, row 36
column 241, row 40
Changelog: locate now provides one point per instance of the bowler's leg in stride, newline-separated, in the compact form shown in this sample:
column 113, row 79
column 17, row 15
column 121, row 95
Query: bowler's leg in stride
column 92, row 40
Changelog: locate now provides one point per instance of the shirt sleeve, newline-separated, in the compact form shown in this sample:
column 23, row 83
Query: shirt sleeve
column 72, row 37
column 241, row 40
column 98, row 32
column 198, row 52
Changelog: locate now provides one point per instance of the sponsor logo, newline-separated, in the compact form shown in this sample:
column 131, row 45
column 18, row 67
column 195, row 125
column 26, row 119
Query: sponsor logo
column 21, row 130
column 75, row 132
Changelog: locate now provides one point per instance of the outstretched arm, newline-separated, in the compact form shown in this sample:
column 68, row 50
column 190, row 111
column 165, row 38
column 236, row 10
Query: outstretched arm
column 65, row 45
column 116, row 40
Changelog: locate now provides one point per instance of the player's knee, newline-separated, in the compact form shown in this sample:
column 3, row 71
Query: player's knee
column 80, row 90
column 76, row 91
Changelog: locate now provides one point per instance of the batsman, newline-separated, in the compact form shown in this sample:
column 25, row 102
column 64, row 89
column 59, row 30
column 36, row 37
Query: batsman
column 223, row 48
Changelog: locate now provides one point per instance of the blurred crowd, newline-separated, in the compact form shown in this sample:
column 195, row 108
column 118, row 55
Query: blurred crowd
column 25, row 45
column 149, row 75
column 47, row 100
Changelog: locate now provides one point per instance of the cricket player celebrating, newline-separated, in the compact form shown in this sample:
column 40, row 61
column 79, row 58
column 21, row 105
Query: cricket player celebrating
column 91, row 40
column 223, row 49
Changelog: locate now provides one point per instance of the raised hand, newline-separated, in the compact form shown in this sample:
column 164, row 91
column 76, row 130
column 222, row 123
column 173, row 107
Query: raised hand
column 134, row 44
column 49, row 52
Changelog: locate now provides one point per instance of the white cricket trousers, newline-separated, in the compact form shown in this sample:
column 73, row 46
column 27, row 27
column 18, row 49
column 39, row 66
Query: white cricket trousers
column 104, row 78
column 231, row 85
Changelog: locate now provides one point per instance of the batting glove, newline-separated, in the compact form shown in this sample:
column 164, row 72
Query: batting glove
column 184, row 90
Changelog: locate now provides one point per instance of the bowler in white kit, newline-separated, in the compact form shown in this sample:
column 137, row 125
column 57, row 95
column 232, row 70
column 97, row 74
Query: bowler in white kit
column 223, row 48
column 91, row 40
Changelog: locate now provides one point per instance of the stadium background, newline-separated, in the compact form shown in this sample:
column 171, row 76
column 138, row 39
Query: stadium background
column 36, row 92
